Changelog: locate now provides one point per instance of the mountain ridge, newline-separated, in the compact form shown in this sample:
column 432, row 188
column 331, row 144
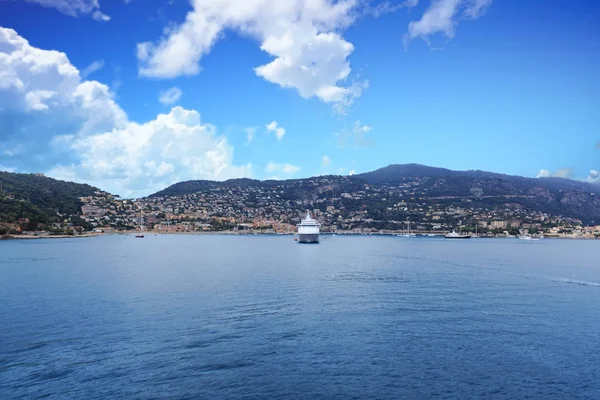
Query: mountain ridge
column 391, row 174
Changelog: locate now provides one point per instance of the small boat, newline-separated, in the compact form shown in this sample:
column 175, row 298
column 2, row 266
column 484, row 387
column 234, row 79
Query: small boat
column 454, row 235
column 140, row 235
column 527, row 237
column 408, row 235
column 524, row 235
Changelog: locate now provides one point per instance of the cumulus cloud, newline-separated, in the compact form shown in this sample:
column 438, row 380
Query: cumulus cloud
column 276, row 129
column 442, row 16
column 141, row 157
column 302, row 36
column 55, row 122
column 594, row 176
column 325, row 161
column 42, row 95
column 93, row 67
column 75, row 8
column 170, row 96
column 352, row 172
column 285, row 168
column 357, row 135
column 544, row 173
column 566, row 173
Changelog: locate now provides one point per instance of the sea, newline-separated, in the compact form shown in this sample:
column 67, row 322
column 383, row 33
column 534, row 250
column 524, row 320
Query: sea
column 264, row 317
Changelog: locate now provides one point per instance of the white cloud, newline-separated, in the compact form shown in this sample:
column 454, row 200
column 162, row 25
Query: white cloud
column 566, row 173
column 594, row 176
column 352, row 172
column 357, row 135
column 387, row 7
column 303, row 37
column 442, row 17
column 146, row 157
column 42, row 88
column 93, row 67
column 170, row 96
column 410, row 3
column 100, row 16
column 250, row 132
column 75, row 8
column 275, row 128
column 476, row 8
column 285, row 168
column 544, row 173
column 325, row 161
column 75, row 130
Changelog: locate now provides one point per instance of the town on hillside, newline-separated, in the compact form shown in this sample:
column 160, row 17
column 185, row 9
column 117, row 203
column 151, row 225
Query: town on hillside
column 373, row 209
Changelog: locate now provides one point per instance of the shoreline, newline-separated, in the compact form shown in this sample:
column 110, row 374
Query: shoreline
column 29, row 237
column 152, row 233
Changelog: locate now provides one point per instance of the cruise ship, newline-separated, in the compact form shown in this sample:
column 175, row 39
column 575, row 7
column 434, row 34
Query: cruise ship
column 308, row 230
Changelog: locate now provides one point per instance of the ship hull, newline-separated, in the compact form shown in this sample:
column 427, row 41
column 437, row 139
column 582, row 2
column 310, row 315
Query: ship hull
column 308, row 238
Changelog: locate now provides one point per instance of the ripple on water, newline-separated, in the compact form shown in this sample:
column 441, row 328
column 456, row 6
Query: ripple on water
column 351, row 318
column 573, row 281
column 362, row 276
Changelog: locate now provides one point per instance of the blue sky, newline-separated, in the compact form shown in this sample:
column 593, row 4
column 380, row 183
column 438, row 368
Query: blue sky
column 134, row 95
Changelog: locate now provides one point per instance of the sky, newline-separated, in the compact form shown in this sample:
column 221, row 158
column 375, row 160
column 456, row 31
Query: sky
column 134, row 95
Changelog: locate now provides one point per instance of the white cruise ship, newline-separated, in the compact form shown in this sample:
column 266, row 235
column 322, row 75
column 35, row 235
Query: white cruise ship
column 308, row 230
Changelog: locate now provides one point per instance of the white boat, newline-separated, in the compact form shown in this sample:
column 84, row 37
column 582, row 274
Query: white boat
column 527, row 237
column 308, row 230
column 140, row 234
column 524, row 235
column 454, row 235
column 408, row 234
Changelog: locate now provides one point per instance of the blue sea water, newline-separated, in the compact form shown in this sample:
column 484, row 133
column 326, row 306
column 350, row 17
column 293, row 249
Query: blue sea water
column 257, row 317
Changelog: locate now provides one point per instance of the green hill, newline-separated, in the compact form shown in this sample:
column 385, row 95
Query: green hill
column 38, row 198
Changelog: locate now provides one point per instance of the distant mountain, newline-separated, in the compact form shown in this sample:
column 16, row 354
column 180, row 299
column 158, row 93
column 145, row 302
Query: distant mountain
column 554, row 196
column 39, row 198
column 557, row 196
column 394, row 174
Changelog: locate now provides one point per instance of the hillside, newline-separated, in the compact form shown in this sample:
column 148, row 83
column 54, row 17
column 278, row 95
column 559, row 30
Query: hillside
column 38, row 198
column 394, row 174
column 487, row 190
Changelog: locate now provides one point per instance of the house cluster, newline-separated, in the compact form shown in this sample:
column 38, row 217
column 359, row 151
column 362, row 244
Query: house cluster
column 340, row 206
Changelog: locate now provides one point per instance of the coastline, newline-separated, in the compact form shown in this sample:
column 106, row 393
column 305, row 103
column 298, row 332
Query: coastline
column 157, row 233
column 31, row 237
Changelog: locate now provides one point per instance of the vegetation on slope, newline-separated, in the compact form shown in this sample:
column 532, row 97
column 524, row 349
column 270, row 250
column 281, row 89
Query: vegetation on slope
column 40, row 199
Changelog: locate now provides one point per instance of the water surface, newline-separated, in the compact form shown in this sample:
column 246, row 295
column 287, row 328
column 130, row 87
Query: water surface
column 259, row 317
